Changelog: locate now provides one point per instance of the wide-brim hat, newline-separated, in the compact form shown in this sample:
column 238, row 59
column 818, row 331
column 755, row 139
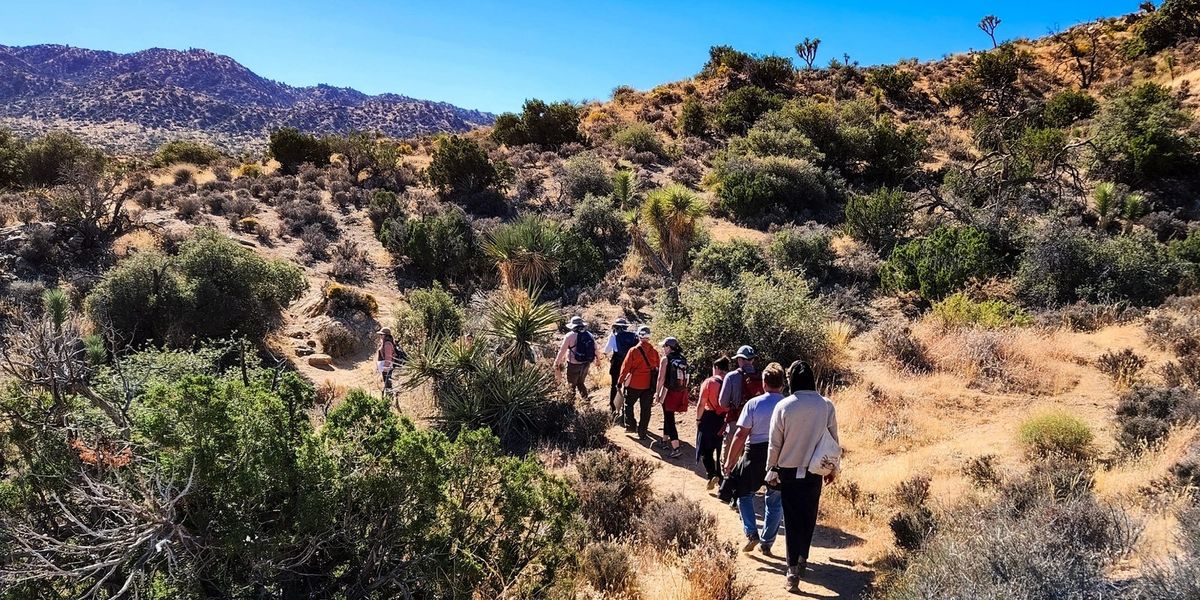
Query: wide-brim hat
column 576, row 321
column 671, row 343
column 643, row 331
column 621, row 322
column 384, row 331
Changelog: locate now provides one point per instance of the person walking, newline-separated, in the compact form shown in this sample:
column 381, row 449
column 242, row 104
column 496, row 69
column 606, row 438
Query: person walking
column 797, row 426
column 639, row 376
column 672, row 390
column 753, row 435
column 710, row 419
column 619, row 343
column 740, row 385
column 577, row 353
column 388, row 356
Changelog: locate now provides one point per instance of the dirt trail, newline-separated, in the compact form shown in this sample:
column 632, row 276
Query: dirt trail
column 835, row 567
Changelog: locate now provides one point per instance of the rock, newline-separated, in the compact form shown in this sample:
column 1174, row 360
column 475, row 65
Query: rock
column 311, row 343
column 320, row 360
column 304, row 350
column 299, row 334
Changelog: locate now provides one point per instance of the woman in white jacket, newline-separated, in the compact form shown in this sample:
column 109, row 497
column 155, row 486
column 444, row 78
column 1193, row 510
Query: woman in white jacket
column 797, row 426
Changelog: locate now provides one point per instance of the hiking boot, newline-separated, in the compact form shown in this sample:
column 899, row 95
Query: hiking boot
column 765, row 549
column 713, row 482
column 675, row 453
column 751, row 542
column 793, row 580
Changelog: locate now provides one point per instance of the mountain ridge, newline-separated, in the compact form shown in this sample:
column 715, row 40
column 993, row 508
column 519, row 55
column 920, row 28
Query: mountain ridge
column 157, row 94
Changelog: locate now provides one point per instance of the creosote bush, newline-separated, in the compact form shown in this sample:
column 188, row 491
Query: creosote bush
column 959, row 310
column 1056, row 434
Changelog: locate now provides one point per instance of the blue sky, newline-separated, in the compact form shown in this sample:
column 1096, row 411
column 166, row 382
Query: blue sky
column 493, row 55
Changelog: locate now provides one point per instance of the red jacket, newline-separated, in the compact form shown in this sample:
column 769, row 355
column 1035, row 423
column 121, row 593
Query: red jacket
column 637, row 367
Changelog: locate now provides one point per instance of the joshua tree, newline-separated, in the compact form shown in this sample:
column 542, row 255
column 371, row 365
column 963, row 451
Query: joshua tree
column 989, row 24
column 807, row 50
column 668, row 226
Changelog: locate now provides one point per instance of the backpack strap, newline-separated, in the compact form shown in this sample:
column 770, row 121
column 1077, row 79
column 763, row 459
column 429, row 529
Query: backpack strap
column 645, row 359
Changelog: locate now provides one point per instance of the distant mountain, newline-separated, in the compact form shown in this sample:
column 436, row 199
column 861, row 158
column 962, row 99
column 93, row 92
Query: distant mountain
column 136, row 101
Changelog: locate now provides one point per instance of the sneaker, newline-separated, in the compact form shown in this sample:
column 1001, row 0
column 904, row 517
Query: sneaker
column 675, row 453
column 751, row 542
column 713, row 482
column 793, row 580
column 765, row 549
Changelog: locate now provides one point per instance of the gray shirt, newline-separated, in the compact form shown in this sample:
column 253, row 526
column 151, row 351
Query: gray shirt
column 796, row 426
column 757, row 416
column 731, row 388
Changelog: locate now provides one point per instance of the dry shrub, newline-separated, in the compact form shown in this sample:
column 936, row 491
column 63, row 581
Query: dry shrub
column 895, row 343
column 982, row 471
column 677, row 522
column 606, row 567
column 613, row 489
column 711, row 571
column 338, row 340
column 188, row 207
column 350, row 263
column 341, row 300
column 239, row 207
column 1121, row 366
column 182, row 176
column 1008, row 360
column 1182, row 373
column 1179, row 333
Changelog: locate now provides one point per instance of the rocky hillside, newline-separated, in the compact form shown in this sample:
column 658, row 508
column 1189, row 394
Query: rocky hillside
column 129, row 102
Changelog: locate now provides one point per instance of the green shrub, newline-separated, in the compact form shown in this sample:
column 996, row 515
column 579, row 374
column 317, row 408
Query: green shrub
column 292, row 148
column 581, row 263
column 185, row 151
column 548, row 125
column 806, row 250
column 1141, row 136
column 516, row 403
column 1187, row 251
column 212, row 289
column 724, row 262
column 964, row 92
column 724, row 59
column 341, row 300
column 879, row 219
column 12, row 160
column 459, row 167
column 599, row 221
column 1068, row 106
column 584, row 174
column 895, row 82
column 639, row 137
column 941, row 263
column 692, row 120
column 1064, row 264
column 777, row 314
column 739, row 109
column 959, row 310
column 1056, row 434
column 439, row 247
column 1163, row 27
column 771, row 72
column 431, row 313
column 50, row 158
column 747, row 188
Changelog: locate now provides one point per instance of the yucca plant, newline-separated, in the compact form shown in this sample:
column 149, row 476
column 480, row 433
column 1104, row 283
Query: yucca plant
column 443, row 360
column 1105, row 196
column 527, row 251
column 1132, row 209
column 519, row 323
column 668, row 226
column 625, row 186
column 511, row 401
column 56, row 306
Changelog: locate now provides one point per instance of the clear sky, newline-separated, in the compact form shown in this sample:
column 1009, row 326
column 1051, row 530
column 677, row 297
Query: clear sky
column 493, row 55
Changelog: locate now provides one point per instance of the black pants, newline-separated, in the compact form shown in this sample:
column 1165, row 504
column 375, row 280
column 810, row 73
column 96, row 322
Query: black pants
column 669, row 430
column 643, row 398
column 800, row 500
column 709, row 462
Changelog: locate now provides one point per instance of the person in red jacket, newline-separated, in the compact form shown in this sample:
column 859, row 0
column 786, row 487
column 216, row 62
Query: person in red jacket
column 639, row 374
column 710, row 421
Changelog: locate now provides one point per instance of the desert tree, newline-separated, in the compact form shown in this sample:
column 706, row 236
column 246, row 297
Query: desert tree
column 988, row 25
column 1085, row 47
column 90, row 204
column 807, row 51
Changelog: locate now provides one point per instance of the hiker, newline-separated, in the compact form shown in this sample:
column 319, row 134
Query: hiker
column 639, row 376
column 577, row 353
column 620, row 342
column 740, row 385
column 710, row 418
column 388, row 356
column 797, row 428
column 753, row 435
column 672, row 390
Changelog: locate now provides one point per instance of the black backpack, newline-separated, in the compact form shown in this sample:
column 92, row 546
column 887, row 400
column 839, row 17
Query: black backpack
column 677, row 371
column 584, row 350
column 626, row 340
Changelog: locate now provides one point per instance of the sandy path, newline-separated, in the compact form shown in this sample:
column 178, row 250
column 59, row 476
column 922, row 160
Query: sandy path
column 835, row 569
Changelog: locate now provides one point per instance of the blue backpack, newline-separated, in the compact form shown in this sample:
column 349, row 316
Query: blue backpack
column 584, row 350
column 626, row 340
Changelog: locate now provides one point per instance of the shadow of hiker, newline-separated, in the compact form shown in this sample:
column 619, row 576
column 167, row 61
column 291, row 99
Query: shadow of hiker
column 834, row 538
column 835, row 579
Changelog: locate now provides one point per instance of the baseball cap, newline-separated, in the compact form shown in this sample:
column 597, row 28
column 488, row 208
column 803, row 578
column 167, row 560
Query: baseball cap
column 745, row 352
column 643, row 331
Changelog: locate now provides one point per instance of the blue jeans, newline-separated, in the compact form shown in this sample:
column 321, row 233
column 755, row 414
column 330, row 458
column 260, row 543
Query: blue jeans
column 772, row 514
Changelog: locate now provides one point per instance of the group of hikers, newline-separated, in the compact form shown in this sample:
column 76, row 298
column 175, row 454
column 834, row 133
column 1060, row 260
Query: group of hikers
column 753, row 428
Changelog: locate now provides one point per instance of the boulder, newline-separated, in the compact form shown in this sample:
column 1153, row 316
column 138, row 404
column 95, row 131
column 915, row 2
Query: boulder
column 320, row 360
column 304, row 350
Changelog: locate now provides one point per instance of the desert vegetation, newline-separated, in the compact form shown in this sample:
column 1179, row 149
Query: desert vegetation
column 991, row 260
